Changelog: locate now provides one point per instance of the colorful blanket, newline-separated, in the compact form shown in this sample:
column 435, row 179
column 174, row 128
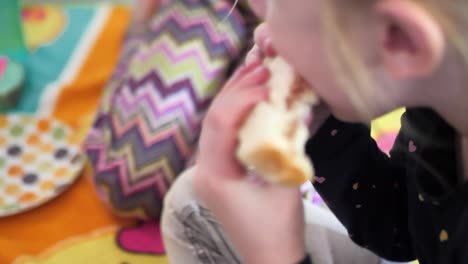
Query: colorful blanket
column 74, row 50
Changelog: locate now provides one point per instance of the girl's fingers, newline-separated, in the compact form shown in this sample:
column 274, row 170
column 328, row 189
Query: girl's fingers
column 229, row 112
column 239, row 73
column 257, row 76
column 268, row 48
column 254, row 55
column 230, row 100
column 245, row 103
column 260, row 34
column 223, row 122
column 263, row 40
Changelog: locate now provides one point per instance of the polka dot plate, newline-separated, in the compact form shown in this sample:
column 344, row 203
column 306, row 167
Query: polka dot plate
column 39, row 159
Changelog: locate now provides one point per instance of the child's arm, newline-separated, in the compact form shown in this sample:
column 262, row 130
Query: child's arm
column 363, row 187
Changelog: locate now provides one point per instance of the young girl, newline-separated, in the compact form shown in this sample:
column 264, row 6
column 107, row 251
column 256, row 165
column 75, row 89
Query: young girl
column 364, row 58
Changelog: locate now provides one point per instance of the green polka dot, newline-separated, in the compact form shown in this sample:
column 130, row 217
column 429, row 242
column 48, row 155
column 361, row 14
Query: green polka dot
column 16, row 130
column 11, row 207
column 2, row 162
column 2, row 182
column 45, row 167
column 59, row 133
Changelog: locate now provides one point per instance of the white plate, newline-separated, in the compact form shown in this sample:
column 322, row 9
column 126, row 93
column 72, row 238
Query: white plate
column 39, row 159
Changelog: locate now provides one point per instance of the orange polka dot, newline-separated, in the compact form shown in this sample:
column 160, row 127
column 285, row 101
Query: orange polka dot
column 61, row 172
column 43, row 125
column 28, row 197
column 47, row 147
column 33, row 140
column 15, row 171
column 74, row 139
column 3, row 121
column 47, row 185
column 29, row 157
column 3, row 141
column 12, row 189
column 2, row 203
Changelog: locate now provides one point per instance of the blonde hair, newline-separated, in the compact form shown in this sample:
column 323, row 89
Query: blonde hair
column 351, row 74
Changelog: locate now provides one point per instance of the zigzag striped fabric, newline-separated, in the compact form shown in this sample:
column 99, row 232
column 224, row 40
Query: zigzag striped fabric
column 150, row 116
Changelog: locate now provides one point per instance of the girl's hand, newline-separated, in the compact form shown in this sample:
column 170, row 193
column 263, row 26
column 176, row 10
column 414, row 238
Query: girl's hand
column 264, row 48
column 265, row 222
column 263, row 45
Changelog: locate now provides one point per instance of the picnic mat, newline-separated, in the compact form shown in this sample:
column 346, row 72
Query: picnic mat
column 73, row 52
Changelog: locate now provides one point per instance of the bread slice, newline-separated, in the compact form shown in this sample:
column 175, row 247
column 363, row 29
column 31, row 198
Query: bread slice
column 272, row 139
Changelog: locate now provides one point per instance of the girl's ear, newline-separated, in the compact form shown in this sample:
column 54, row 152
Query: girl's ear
column 412, row 42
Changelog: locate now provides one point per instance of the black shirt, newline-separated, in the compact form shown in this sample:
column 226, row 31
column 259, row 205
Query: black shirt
column 410, row 205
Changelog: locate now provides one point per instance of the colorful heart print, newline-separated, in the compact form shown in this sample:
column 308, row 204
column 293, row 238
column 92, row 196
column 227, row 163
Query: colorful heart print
column 3, row 65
